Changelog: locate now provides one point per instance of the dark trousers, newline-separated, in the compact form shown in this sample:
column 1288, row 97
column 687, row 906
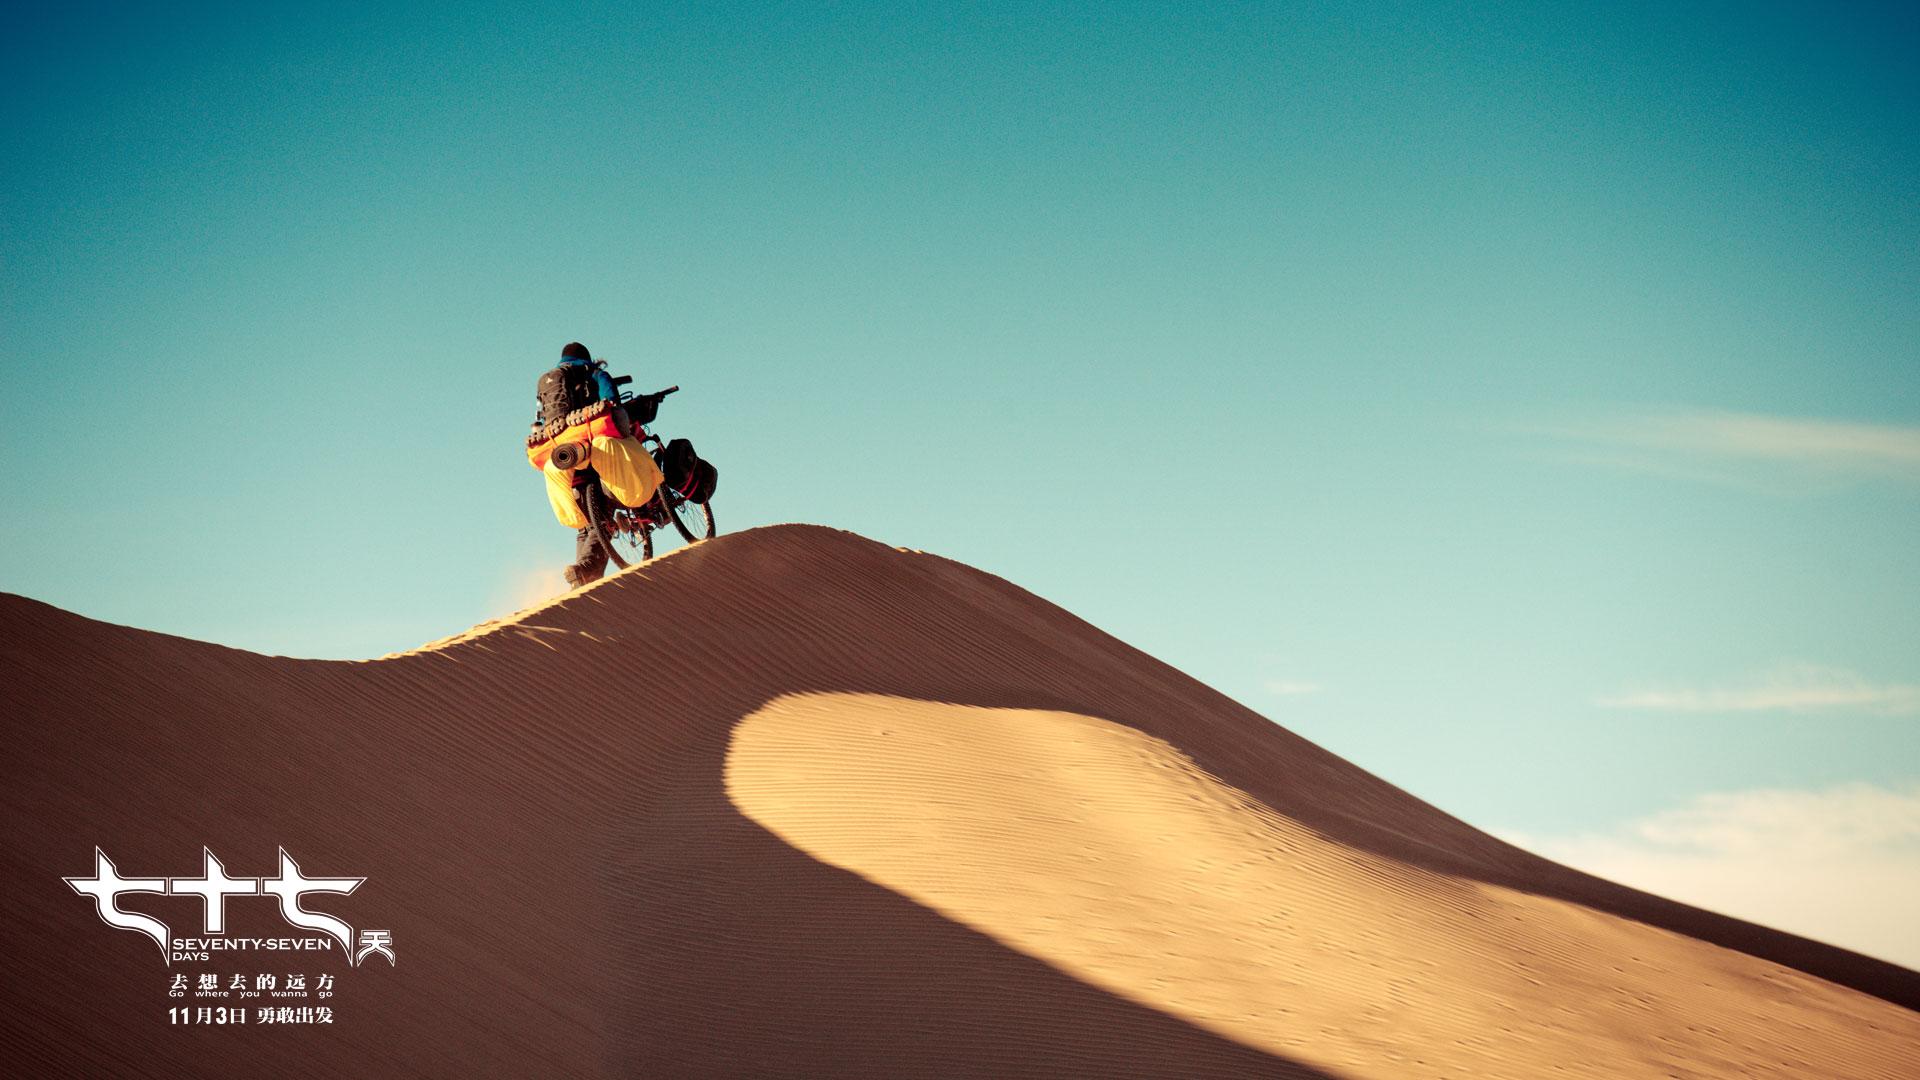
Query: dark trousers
column 589, row 559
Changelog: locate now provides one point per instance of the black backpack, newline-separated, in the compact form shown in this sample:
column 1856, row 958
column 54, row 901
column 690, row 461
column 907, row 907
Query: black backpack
column 564, row 389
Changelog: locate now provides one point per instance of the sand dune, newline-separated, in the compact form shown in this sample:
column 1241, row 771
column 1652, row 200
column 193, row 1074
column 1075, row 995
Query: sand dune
column 846, row 811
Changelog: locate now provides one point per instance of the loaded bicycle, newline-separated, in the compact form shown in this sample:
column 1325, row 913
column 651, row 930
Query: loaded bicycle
column 633, row 527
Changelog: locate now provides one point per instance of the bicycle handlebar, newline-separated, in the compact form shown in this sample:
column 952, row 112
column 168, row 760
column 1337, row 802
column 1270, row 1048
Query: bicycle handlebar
column 622, row 380
column 625, row 379
column 627, row 396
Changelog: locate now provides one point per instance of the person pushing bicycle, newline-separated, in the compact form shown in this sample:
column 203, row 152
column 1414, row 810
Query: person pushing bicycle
column 591, row 440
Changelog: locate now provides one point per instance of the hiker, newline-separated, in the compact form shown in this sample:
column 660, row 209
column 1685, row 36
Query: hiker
column 576, row 382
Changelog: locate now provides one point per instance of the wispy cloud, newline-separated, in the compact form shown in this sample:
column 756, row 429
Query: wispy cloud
column 1706, row 443
column 1799, row 688
column 1291, row 687
column 1841, row 865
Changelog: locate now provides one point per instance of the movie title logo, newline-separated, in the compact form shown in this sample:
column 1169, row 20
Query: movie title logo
column 289, row 890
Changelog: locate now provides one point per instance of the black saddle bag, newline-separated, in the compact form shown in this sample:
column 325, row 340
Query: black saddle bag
column 689, row 474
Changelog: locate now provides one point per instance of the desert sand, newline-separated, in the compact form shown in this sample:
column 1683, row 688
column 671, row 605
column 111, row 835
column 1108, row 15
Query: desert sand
column 795, row 803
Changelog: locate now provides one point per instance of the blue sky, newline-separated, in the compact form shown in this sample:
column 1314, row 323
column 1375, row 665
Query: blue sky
column 1522, row 401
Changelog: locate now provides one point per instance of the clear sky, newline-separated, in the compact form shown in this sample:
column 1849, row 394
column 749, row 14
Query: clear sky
column 1520, row 400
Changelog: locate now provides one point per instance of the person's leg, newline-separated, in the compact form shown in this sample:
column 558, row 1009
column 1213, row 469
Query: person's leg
column 589, row 560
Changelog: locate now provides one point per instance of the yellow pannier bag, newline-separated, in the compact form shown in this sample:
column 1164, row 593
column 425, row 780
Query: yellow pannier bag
column 560, row 494
column 626, row 469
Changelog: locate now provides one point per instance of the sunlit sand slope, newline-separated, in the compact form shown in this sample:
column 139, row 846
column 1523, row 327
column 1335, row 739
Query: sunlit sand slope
column 795, row 803
column 1112, row 856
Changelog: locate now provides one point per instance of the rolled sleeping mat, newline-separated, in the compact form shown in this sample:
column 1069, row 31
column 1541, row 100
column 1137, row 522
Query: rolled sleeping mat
column 570, row 455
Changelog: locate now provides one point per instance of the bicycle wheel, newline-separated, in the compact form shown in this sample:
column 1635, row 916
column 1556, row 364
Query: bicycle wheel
column 694, row 521
column 600, row 519
column 632, row 534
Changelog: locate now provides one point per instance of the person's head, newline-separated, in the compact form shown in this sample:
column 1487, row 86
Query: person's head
column 574, row 351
